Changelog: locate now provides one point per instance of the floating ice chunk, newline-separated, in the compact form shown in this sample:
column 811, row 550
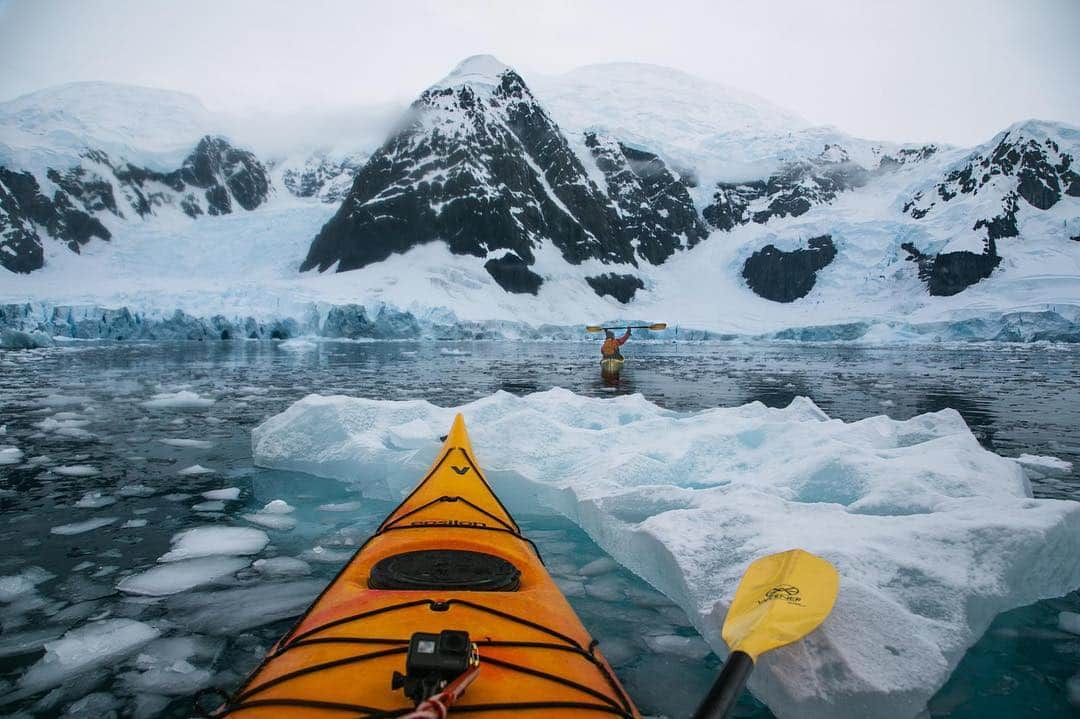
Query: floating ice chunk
column 82, row 566
column 277, row 506
column 282, row 567
column 603, row 565
column 212, row 541
column 176, row 577
column 195, row 469
column 1069, row 622
column 189, row 443
column 231, row 611
column 10, row 455
column 94, row 500
column 135, row 490
column 297, row 345
column 81, row 527
column 84, row 648
column 15, row 586
column 76, row 470
column 450, row 351
column 327, row 556
column 933, row 535
column 1042, row 466
column 689, row 647
column 271, row 521
column 215, row 505
column 228, row 494
column 133, row 524
column 341, row 507
column 178, row 400
column 59, row 400
column 28, row 642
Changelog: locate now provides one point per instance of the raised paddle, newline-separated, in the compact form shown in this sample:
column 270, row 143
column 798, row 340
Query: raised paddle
column 780, row 599
column 655, row 326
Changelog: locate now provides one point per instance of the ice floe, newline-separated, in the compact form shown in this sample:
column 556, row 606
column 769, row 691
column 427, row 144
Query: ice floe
column 282, row 567
column 180, row 576
column 194, row 470
column 227, row 494
column 184, row 399
column 933, row 535
column 10, row 455
column 76, row 470
column 228, row 612
column 188, row 443
column 82, row 527
column 95, row 500
column 213, row 541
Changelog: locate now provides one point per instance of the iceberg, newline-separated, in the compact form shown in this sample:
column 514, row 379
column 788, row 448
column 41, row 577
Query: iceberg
column 932, row 534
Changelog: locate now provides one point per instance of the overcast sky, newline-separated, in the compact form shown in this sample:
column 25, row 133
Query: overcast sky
column 947, row 70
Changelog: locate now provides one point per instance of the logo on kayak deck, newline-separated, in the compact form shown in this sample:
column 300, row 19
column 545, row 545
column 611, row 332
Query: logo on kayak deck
column 459, row 470
column 784, row 593
column 446, row 523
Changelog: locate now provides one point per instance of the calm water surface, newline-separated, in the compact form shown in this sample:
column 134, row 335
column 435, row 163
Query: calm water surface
column 82, row 406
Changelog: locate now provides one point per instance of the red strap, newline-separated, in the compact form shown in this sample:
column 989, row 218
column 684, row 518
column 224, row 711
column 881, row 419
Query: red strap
column 438, row 706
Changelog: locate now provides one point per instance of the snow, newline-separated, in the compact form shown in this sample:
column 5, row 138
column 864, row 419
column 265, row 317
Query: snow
column 933, row 535
column 82, row 527
column 475, row 70
column 183, row 399
column 210, row 541
column 180, row 576
column 84, row 648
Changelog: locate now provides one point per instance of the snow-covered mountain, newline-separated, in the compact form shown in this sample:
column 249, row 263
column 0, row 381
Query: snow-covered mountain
column 614, row 190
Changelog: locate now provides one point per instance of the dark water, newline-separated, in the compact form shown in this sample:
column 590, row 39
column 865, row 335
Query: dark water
column 82, row 406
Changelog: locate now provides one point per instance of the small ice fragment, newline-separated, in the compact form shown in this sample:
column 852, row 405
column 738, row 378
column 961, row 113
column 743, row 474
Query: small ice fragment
column 297, row 345
column 176, row 577
column 133, row 524
column 195, row 469
column 95, row 500
column 271, row 521
column 190, row 443
column 76, row 470
column 15, row 586
column 230, row 612
column 689, row 647
column 228, row 494
column 81, row 527
column 326, row 556
column 605, row 587
column 277, row 506
column 10, row 455
column 177, row 496
column 212, row 506
column 1069, row 622
column 603, row 565
column 84, row 648
column 82, row 566
column 282, row 567
column 341, row 507
column 178, row 400
column 135, row 490
column 211, row 541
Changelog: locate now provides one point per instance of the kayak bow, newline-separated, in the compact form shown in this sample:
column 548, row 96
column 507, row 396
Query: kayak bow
column 448, row 578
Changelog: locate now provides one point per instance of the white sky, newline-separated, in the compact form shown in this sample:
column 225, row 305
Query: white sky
column 947, row 70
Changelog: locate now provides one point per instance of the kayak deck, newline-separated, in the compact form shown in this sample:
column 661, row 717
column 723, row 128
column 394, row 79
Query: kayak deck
column 536, row 659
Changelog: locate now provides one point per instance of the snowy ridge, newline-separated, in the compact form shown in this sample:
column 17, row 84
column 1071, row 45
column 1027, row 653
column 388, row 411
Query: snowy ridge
column 933, row 535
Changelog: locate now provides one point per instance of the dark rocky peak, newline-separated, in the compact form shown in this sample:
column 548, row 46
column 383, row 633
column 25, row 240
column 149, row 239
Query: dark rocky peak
column 949, row 273
column 621, row 287
column 24, row 209
column 790, row 191
column 324, row 177
column 783, row 276
column 1028, row 161
column 907, row 156
column 479, row 164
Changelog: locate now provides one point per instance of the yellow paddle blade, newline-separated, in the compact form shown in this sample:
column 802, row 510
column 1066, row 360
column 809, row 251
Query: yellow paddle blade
column 658, row 326
column 594, row 328
column 781, row 599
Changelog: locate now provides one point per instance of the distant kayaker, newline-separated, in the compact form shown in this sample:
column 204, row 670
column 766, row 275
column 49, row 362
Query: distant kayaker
column 610, row 349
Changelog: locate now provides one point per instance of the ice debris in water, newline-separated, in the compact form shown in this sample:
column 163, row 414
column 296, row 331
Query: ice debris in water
column 76, row 470
column 84, row 648
column 94, row 500
column 195, row 469
column 282, row 567
column 10, row 455
column 211, row 541
column 83, row 527
column 187, row 443
column 272, row 516
column 933, row 535
column 227, row 494
column 214, row 505
column 183, row 399
column 168, row 666
column 133, row 524
column 17, row 585
column 175, row 577
column 229, row 612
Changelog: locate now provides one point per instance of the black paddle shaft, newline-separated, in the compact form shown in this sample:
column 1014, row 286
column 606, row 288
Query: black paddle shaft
column 727, row 688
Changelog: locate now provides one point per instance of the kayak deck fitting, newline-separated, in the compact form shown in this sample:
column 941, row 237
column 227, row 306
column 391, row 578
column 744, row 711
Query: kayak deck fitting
column 449, row 557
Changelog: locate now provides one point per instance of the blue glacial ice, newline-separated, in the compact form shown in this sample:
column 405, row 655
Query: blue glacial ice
column 933, row 535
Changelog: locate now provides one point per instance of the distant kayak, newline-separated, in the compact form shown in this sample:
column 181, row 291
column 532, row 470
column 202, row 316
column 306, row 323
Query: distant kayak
column 448, row 583
column 611, row 367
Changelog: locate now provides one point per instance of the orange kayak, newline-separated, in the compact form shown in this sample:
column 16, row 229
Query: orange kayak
column 450, row 557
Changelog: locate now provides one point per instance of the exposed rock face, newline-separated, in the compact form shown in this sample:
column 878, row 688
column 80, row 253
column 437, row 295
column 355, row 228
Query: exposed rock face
column 513, row 274
column 654, row 205
column 791, row 191
column 23, row 208
column 621, row 287
column 483, row 168
column 787, row 276
column 214, row 179
column 324, row 178
column 906, row 156
column 1024, row 163
column 950, row 273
